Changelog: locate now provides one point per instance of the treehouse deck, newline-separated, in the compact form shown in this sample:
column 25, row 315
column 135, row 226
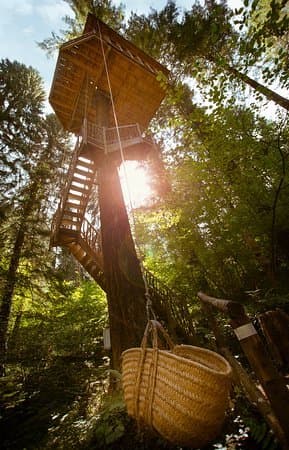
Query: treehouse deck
column 98, row 142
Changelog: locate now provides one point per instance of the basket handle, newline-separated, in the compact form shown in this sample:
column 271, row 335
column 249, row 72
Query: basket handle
column 153, row 327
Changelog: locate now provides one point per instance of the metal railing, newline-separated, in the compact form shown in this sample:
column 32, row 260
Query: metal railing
column 91, row 235
column 66, row 217
column 106, row 137
column 57, row 218
column 95, row 134
column 175, row 301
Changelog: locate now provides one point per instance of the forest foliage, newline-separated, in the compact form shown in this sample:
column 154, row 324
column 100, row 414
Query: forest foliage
column 221, row 227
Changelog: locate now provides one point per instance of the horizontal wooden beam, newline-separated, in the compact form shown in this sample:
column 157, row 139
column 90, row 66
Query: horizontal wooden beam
column 233, row 309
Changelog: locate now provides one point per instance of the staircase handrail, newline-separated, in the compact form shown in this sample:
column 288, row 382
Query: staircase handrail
column 175, row 300
column 91, row 235
column 57, row 218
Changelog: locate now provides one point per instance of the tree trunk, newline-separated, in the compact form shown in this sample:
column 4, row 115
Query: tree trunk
column 11, row 276
column 124, row 281
column 125, row 285
column 7, row 297
column 13, row 337
column 268, row 93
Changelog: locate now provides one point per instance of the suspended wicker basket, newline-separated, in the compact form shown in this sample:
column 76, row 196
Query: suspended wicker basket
column 182, row 393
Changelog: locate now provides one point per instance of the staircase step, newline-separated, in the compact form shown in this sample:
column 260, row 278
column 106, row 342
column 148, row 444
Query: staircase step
column 85, row 181
column 83, row 188
column 82, row 182
column 69, row 204
column 90, row 265
column 77, row 191
column 68, row 214
column 79, row 253
column 85, row 173
column 87, row 164
column 87, row 178
column 69, row 222
column 73, row 196
column 96, row 272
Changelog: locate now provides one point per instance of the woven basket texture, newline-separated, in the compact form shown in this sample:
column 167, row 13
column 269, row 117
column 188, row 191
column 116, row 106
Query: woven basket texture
column 182, row 393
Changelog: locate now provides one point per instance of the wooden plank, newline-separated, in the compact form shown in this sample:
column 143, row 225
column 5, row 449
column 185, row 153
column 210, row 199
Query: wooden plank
column 81, row 171
column 88, row 165
column 85, row 179
column 90, row 66
column 60, row 103
column 81, row 182
column 69, row 204
column 79, row 189
column 66, row 85
column 74, row 196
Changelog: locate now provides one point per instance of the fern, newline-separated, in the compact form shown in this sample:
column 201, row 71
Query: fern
column 260, row 432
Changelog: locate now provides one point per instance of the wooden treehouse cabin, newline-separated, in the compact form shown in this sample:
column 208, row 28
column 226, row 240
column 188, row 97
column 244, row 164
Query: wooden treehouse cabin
column 105, row 91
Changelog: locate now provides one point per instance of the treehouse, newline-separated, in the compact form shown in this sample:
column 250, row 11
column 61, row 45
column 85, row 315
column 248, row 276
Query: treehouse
column 94, row 68
column 105, row 90
column 100, row 77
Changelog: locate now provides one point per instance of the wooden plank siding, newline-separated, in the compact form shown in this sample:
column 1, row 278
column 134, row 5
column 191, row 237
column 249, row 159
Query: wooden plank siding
column 80, row 70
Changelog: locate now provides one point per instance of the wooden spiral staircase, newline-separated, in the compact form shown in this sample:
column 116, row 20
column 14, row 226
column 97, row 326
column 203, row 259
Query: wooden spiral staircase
column 71, row 229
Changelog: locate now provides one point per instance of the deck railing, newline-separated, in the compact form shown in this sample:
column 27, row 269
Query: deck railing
column 94, row 134
column 106, row 137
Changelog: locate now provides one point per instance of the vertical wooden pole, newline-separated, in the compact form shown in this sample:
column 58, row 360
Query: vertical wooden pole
column 125, row 286
column 242, row 378
column 272, row 382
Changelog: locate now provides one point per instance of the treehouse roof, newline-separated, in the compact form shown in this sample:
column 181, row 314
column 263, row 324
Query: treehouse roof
column 80, row 71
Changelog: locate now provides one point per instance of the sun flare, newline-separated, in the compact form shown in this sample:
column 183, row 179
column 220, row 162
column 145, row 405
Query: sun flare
column 135, row 183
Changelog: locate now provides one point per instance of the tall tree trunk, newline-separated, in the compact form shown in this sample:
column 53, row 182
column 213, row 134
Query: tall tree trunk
column 8, row 295
column 274, row 208
column 268, row 93
column 124, row 281
column 125, row 285
column 13, row 336
column 11, row 276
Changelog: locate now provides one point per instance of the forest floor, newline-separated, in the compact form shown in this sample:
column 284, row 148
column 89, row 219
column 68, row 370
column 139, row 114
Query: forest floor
column 66, row 406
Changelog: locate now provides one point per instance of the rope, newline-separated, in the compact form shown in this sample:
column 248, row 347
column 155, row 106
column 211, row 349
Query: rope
column 86, row 98
column 149, row 309
column 85, row 122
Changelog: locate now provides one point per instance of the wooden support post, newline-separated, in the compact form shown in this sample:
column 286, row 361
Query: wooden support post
column 272, row 382
column 242, row 378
